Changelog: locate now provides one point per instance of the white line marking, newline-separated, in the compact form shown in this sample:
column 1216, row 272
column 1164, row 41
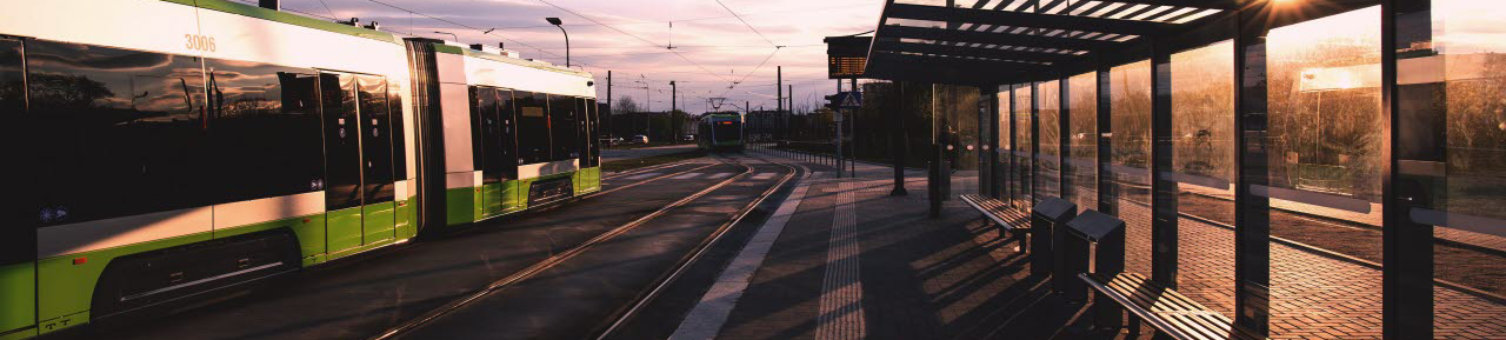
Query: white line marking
column 687, row 175
column 719, row 175
column 765, row 176
column 643, row 176
column 706, row 319
column 841, row 306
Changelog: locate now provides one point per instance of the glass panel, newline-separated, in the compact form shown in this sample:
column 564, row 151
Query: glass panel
column 533, row 127
column 108, row 127
column 17, row 238
column 1083, row 163
column 507, row 112
column 265, row 129
column 562, row 127
column 342, row 145
column 1129, row 115
column 1004, row 149
column 1451, row 74
column 376, row 138
column 1202, row 131
column 1022, row 146
column 1324, row 149
column 484, row 108
column 1048, row 168
column 399, row 133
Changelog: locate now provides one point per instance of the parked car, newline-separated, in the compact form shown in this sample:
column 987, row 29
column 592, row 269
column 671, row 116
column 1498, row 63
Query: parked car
column 638, row 139
column 688, row 138
column 613, row 141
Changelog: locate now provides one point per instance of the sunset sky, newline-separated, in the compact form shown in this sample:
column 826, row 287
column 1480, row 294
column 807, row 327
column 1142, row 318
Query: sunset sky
column 630, row 37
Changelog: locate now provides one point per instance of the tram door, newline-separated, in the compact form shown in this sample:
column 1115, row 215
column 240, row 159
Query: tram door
column 379, row 212
column 358, row 161
column 484, row 109
column 18, row 239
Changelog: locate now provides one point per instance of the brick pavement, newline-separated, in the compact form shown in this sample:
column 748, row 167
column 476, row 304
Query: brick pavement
column 954, row 278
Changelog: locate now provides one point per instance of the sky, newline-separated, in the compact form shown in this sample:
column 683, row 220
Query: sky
column 713, row 49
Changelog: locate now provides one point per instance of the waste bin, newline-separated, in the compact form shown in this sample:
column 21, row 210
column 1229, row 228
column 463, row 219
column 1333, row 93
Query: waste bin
column 1046, row 220
column 1092, row 234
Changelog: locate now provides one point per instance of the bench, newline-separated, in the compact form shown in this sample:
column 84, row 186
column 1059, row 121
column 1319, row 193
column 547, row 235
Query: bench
column 1172, row 313
column 1000, row 213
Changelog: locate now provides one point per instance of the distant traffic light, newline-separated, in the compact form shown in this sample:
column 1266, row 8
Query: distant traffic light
column 833, row 101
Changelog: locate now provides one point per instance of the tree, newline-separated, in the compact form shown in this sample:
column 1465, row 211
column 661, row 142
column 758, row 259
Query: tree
column 626, row 105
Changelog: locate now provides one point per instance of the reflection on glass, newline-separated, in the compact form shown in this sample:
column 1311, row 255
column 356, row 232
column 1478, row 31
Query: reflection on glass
column 1129, row 116
column 1005, row 149
column 1324, row 142
column 1048, row 171
column 1451, row 75
column 1022, row 145
column 1202, row 130
column 1082, row 164
column 958, row 112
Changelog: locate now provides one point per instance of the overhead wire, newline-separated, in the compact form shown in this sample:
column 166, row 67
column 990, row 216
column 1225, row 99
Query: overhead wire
column 746, row 24
column 635, row 36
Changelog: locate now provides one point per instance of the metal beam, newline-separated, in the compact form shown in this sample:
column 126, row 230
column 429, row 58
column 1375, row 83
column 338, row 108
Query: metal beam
column 964, row 51
column 891, row 31
column 932, row 69
column 1018, row 19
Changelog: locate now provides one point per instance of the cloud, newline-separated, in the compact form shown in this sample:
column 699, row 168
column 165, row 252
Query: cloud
column 712, row 46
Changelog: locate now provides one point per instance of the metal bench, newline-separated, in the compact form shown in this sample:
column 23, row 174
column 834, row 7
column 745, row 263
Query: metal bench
column 1172, row 313
column 1000, row 213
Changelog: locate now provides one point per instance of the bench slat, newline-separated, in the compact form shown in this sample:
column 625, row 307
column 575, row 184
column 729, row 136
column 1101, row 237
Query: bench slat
column 998, row 212
column 1172, row 313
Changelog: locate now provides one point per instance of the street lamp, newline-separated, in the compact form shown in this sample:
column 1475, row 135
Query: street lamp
column 457, row 38
column 556, row 22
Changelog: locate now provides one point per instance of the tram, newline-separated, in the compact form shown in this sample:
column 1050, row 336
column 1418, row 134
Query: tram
column 720, row 131
column 217, row 144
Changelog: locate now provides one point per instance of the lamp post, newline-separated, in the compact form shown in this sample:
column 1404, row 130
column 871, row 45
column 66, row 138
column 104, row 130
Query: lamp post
column 457, row 38
column 556, row 22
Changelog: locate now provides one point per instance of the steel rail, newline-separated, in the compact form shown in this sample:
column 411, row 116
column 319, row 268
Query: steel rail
column 556, row 259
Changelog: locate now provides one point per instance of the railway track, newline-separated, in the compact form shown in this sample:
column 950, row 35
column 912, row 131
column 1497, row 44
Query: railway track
column 626, row 312
column 631, row 311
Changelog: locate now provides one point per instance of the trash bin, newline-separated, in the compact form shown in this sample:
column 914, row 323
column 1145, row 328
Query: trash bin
column 1046, row 220
column 1090, row 234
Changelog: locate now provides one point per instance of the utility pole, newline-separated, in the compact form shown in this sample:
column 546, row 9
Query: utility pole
column 779, row 90
column 674, row 105
column 785, row 116
column 854, row 125
column 837, row 120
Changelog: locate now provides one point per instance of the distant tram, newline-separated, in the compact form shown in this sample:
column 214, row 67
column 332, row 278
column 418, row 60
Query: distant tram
column 721, row 131
column 217, row 143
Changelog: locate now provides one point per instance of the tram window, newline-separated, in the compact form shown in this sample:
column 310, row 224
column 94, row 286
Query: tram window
column 376, row 138
column 112, row 132
column 562, row 125
column 17, row 242
column 533, row 127
column 264, row 128
column 399, row 133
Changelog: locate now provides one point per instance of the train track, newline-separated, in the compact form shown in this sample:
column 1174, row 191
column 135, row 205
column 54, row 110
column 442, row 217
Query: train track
column 647, row 296
column 559, row 258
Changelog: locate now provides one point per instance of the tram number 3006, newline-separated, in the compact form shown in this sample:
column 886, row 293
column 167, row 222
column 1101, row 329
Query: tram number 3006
column 199, row 42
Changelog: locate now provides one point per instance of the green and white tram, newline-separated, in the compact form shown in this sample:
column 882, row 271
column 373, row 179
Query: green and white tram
column 168, row 149
column 720, row 131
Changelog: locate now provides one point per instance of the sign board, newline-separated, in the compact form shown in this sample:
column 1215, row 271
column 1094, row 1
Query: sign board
column 846, row 57
column 850, row 100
